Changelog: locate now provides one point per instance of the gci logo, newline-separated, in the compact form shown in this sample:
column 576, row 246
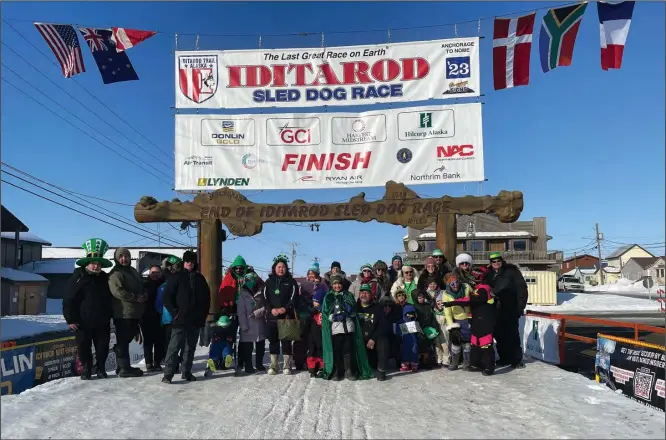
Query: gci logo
column 455, row 150
column 295, row 135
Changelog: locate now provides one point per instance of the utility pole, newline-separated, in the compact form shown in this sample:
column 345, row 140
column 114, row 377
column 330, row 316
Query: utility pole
column 601, row 268
column 293, row 257
column 575, row 261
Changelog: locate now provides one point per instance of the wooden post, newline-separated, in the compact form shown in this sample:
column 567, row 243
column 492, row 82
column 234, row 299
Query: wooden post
column 446, row 232
column 211, row 259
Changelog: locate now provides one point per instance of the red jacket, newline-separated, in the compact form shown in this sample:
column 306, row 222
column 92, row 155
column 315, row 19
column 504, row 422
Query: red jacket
column 227, row 294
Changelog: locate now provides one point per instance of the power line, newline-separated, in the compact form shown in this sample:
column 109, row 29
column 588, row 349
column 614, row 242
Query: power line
column 84, row 106
column 20, row 34
column 68, row 191
column 92, row 209
column 75, row 210
column 85, row 132
column 356, row 31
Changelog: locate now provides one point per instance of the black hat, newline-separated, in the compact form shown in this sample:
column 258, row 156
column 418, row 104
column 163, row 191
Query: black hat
column 336, row 264
column 189, row 257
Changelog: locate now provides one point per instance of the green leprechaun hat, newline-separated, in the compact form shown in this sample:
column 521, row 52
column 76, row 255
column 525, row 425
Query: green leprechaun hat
column 95, row 249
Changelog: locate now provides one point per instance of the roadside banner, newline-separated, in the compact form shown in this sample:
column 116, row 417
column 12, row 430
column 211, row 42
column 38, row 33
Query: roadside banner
column 540, row 338
column 633, row 367
column 415, row 146
column 314, row 77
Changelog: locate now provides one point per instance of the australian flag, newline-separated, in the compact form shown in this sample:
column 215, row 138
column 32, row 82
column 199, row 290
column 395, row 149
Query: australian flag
column 114, row 66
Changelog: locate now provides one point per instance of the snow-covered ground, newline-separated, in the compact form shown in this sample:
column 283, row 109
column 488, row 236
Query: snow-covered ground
column 20, row 326
column 624, row 285
column 540, row 401
column 592, row 303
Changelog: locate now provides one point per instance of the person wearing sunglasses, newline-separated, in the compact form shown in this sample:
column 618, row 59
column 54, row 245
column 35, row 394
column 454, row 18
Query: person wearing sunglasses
column 457, row 324
column 510, row 289
column 407, row 281
column 463, row 269
column 367, row 276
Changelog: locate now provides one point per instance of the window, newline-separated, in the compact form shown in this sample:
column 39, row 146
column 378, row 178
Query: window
column 530, row 280
column 520, row 245
column 429, row 245
column 475, row 246
column 660, row 272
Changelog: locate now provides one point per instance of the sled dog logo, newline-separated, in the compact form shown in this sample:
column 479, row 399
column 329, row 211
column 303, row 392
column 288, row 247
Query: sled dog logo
column 535, row 331
column 198, row 76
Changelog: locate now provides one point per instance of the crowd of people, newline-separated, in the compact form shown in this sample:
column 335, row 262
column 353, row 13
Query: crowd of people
column 443, row 317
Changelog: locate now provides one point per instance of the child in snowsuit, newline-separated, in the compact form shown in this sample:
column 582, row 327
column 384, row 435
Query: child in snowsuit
column 426, row 318
column 457, row 323
column 252, row 324
column 441, row 342
column 410, row 341
column 315, row 359
column 482, row 303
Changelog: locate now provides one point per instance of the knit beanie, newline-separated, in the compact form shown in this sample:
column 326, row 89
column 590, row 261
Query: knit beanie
column 396, row 257
column 464, row 258
column 336, row 264
column 189, row 257
column 380, row 265
column 430, row 260
column 314, row 269
column 367, row 266
column 336, row 279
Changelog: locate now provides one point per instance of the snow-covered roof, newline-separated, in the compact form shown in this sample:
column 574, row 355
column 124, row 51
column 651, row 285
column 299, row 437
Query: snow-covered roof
column 588, row 271
column 25, row 236
column 77, row 252
column 611, row 269
column 21, row 276
column 54, row 266
column 505, row 234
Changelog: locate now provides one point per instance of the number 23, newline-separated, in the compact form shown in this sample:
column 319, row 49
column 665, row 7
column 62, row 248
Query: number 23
column 458, row 69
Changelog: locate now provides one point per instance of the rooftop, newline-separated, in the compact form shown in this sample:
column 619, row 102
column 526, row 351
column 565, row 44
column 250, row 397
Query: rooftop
column 510, row 234
column 26, row 237
column 617, row 253
column 21, row 276
column 644, row 262
column 77, row 252
column 10, row 223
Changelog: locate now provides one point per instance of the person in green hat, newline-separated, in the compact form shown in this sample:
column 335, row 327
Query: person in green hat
column 87, row 309
column 342, row 338
column 443, row 266
column 376, row 319
column 367, row 276
column 231, row 284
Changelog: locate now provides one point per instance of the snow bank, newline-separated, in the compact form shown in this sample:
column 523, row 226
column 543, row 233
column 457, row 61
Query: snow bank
column 570, row 302
column 624, row 285
column 21, row 326
column 539, row 401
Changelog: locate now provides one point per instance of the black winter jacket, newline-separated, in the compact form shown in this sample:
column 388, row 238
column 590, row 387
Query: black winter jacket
column 150, row 287
column 374, row 322
column 510, row 290
column 87, row 300
column 187, row 298
column 280, row 292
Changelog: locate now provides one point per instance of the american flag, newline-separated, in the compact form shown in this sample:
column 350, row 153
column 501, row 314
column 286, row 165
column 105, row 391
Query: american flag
column 64, row 44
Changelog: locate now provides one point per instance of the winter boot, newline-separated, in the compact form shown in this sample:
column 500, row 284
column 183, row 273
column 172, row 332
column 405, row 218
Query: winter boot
column 286, row 366
column 167, row 378
column 126, row 370
column 381, row 376
column 487, row 372
column 101, row 373
column 273, row 367
column 157, row 368
column 85, row 373
column 467, row 348
column 404, row 367
column 349, row 370
column 518, row 365
column 188, row 377
column 313, row 371
column 455, row 357
column 149, row 368
column 248, row 362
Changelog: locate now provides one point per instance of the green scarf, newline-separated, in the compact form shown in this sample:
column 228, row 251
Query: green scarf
column 409, row 288
column 361, row 355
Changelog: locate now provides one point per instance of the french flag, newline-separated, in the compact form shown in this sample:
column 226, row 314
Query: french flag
column 614, row 22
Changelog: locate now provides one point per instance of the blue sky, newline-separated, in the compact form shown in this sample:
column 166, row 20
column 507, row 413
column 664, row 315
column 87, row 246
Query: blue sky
column 583, row 145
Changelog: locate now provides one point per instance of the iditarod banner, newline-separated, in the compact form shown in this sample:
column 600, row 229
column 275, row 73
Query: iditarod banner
column 415, row 146
column 311, row 77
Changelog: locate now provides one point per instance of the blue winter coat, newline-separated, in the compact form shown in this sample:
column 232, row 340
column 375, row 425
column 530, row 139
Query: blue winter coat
column 159, row 305
column 410, row 341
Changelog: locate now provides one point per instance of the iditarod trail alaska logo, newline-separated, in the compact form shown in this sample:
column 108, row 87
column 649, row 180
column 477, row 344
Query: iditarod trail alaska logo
column 198, row 76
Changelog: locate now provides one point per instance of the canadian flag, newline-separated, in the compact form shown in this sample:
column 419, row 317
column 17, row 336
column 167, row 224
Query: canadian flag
column 512, row 44
column 126, row 38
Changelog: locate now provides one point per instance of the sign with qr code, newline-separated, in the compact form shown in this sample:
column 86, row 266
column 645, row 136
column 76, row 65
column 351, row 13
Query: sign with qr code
column 636, row 370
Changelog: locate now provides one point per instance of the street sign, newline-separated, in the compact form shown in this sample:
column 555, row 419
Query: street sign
column 648, row 283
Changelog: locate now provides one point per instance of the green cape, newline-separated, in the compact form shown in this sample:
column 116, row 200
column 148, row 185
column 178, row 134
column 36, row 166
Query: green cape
column 361, row 355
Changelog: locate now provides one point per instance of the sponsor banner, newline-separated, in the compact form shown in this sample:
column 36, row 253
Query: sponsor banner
column 313, row 77
column 415, row 146
column 540, row 338
column 634, row 368
column 17, row 368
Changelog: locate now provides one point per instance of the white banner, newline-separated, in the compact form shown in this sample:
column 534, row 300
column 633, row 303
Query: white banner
column 415, row 146
column 540, row 338
column 311, row 77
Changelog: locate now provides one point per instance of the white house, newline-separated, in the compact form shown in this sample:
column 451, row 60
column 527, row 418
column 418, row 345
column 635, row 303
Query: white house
column 623, row 254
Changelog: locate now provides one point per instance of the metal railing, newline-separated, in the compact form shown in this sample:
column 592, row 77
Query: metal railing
column 484, row 256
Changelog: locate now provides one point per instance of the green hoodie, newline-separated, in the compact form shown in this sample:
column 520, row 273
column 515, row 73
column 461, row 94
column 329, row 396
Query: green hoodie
column 238, row 261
